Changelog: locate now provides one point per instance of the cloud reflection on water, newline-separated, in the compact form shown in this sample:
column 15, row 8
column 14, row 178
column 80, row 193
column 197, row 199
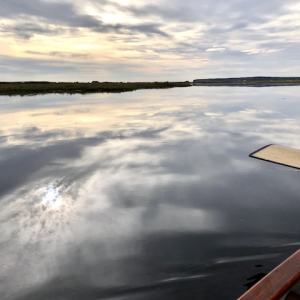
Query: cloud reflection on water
column 144, row 180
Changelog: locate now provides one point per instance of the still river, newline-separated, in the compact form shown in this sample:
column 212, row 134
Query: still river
column 145, row 195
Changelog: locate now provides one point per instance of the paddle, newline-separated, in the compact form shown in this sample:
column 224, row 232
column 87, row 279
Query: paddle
column 279, row 154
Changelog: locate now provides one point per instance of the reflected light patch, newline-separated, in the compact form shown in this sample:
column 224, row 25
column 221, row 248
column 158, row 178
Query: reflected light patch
column 51, row 197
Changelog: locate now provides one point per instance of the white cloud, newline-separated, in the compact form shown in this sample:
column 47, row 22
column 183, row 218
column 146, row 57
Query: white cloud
column 203, row 39
column 214, row 49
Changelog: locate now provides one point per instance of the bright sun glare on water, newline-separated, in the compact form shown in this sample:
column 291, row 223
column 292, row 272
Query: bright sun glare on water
column 51, row 197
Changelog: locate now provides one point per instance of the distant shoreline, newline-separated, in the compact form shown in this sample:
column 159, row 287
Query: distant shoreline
column 247, row 84
column 258, row 81
column 31, row 88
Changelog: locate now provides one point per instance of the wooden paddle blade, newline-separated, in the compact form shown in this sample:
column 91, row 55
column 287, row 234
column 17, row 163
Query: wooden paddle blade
column 279, row 154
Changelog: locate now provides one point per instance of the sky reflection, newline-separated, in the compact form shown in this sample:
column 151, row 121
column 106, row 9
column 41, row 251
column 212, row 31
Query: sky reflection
column 51, row 197
column 113, row 195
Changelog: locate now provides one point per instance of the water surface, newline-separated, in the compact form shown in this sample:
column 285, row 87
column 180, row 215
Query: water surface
column 145, row 195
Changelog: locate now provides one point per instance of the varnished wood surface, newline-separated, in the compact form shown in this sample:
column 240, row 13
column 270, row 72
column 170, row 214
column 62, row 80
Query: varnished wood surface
column 279, row 154
column 278, row 282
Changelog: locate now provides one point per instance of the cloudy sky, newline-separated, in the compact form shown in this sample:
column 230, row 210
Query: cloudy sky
column 137, row 40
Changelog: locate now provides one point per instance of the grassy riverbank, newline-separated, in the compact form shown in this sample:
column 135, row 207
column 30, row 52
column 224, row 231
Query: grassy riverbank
column 34, row 88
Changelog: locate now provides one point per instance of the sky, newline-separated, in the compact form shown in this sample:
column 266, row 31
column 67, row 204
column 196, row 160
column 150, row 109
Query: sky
column 153, row 40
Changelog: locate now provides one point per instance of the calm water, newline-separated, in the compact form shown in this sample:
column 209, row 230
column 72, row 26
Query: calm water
column 145, row 195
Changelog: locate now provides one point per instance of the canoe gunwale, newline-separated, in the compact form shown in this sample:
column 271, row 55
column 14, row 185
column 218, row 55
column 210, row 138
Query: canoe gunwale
column 278, row 282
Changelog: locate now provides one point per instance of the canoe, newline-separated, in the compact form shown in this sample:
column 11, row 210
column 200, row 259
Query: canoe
column 283, row 283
